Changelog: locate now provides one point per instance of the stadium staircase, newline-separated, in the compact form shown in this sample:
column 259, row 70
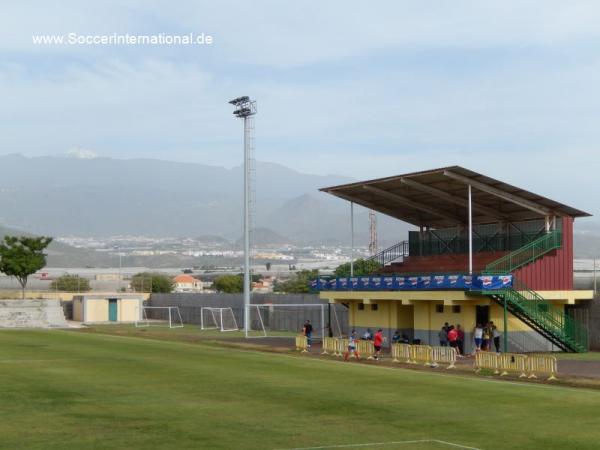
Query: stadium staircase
column 548, row 320
column 538, row 313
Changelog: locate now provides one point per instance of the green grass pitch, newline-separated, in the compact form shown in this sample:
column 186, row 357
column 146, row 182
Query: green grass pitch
column 70, row 390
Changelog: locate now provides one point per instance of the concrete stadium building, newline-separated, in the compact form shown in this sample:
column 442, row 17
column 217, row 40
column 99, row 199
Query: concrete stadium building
column 482, row 251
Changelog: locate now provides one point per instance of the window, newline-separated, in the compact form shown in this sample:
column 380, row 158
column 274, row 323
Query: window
column 456, row 309
column 439, row 308
column 374, row 307
column 361, row 306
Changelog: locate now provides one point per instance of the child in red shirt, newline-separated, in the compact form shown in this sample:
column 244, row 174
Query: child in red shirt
column 377, row 342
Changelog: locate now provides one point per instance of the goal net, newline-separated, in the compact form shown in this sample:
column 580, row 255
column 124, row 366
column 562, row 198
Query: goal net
column 287, row 320
column 165, row 316
column 222, row 319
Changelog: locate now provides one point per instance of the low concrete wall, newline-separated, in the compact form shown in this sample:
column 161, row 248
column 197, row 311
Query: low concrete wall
column 31, row 314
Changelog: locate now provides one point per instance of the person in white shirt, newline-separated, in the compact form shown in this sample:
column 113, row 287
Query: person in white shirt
column 478, row 335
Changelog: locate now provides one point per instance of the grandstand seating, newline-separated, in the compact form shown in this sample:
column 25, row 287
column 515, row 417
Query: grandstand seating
column 442, row 263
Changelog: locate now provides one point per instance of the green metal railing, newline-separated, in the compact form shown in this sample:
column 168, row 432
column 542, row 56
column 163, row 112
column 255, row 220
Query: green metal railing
column 526, row 254
column 551, row 318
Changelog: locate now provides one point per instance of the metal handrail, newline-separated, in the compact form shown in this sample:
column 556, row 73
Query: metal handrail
column 548, row 316
column 526, row 254
column 390, row 254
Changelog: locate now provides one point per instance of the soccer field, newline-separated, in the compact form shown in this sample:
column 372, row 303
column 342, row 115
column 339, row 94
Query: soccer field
column 70, row 390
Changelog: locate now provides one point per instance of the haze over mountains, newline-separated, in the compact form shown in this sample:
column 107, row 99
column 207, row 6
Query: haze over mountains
column 61, row 196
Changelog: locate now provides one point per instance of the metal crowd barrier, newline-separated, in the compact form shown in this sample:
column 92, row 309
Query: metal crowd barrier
column 503, row 364
column 341, row 346
column 542, row 365
column 512, row 362
column 329, row 346
column 446, row 355
column 506, row 363
column 486, row 360
column 302, row 344
column 366, row 348
column 401, row 353
column 421, row 354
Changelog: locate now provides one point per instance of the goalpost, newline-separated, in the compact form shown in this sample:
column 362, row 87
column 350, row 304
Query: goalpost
column 166, row 316
column 222, row 319
column 286, row 320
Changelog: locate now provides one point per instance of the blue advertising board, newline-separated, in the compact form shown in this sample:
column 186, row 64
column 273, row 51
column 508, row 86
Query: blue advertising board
column 407, row 283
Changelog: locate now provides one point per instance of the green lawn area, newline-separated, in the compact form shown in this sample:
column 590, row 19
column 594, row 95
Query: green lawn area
column 71, row 390
column 187, row 333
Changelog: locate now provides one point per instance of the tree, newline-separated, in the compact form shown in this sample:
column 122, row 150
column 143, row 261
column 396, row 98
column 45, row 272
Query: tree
column 362, row 267
column 231, row 284
column 71, row 283
column 157, row 283
column 299, row 284
column 21, row 256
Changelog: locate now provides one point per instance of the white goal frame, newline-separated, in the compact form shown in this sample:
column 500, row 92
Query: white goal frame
column 320, row 334
column 174, row 320
column 217, row 319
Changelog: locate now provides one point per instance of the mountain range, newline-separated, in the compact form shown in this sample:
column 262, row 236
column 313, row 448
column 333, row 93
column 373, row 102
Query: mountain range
column 97, row 197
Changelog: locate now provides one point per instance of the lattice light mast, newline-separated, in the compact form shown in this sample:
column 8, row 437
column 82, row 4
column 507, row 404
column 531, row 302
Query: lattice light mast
column 373, row 247
column 246, row 109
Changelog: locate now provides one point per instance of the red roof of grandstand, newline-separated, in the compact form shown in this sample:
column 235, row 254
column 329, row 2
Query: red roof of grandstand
column 438, row 198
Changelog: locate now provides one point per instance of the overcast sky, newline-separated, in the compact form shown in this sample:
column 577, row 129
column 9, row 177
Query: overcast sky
column 365, row 89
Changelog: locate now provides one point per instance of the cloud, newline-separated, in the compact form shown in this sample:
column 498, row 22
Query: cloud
column 344, row 87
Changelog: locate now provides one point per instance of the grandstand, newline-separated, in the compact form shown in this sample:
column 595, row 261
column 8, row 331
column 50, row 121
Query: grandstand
column 483, row 251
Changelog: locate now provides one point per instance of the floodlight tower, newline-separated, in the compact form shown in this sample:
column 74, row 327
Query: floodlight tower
column 373, row 247
column 246, row 109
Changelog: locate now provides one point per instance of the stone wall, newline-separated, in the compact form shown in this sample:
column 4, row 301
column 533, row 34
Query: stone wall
column 31, row 314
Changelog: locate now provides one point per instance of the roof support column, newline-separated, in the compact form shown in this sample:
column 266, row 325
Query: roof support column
column 470, row 233
column 351, row 239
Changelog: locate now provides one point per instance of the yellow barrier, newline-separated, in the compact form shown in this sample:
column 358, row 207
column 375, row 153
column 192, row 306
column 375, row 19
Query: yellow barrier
column 302, row 344
column 542, row 364
column 486, row 360
column 420, row 354
column 446, row 355
column 341, row 347
column 365, row 348
column 401, row 352
column 512, row 362
column 329, row 346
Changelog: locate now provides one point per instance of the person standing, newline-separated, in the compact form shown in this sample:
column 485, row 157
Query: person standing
column 496, row 337
column 307, row 330
column 378, row 342
column 461, row 339
column 352, row 341
column 487, row 337
column 453, row 338
column 443, row 336
column 478, row 335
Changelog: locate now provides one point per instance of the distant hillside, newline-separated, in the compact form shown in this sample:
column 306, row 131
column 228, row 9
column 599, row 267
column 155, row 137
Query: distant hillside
column 319, row 218
column 101, row 197
column 63, row 255
column 264, row 237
